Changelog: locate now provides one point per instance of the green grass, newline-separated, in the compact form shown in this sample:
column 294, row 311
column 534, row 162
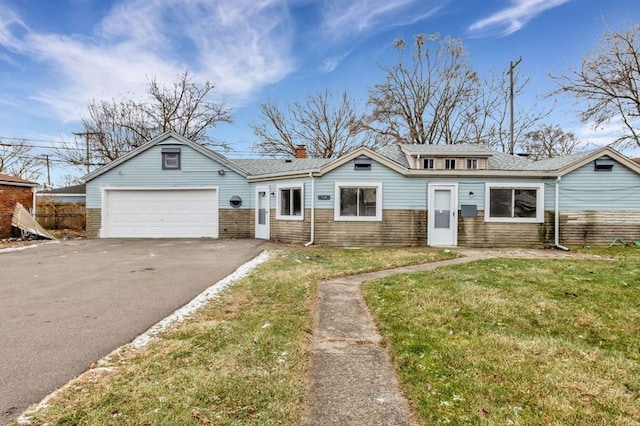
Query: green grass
column 517, row 341
column 241, row 360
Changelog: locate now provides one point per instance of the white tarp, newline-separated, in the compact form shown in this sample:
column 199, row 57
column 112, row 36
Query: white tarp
column 23, row 220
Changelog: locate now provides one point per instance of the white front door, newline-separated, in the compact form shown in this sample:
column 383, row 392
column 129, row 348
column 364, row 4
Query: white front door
column 443, row 218
column 262, row 212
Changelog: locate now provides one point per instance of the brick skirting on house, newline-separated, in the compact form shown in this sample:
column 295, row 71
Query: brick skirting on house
column 236, row 223
column 409, row 228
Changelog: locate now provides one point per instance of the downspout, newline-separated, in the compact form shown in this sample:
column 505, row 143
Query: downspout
column 556, row 230
column 34, row 201
column 313, row 210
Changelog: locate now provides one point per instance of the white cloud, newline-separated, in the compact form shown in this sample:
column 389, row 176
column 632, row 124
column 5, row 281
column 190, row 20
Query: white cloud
column 239, row 46
column 605, row 135
column 9, row 21
column 331, row 63
column 344, row 18
column 514, row 17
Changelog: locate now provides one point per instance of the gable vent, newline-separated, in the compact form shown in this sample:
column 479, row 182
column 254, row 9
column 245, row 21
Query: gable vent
column 603, row 165
column 362, row 163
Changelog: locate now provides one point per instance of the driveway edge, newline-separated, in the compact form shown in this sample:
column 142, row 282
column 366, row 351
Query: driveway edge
column 102, row 365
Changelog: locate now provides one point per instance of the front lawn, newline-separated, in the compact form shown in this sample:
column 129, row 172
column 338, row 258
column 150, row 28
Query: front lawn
column 517, row 341
column 241, row 360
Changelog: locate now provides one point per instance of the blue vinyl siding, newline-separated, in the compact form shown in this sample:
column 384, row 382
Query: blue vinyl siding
column 398, row 192
column 585, row 189
column 145, row 171
column 403, row 193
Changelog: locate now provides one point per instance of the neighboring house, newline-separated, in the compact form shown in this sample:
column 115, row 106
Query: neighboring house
column 14, row 190
column 438, row 195
column 74, row 194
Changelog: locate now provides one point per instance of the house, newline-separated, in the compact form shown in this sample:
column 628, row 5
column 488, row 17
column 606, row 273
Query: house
column 74, row 194
column 14, row 190
column 438, row 195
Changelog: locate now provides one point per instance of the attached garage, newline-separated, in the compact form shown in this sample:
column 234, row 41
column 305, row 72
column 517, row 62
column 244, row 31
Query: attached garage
column 160, row 213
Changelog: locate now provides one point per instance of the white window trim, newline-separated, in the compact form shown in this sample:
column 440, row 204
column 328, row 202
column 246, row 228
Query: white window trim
column 336, row 204
column 279, row 215
column 539, row 187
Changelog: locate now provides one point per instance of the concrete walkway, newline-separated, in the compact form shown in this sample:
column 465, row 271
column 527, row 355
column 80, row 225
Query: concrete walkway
column 352, row 381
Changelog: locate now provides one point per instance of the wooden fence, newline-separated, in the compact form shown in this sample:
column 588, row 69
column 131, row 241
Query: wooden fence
column 61, row 216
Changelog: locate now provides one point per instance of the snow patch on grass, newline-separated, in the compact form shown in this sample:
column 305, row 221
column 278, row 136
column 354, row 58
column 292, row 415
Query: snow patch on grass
column 199, row 301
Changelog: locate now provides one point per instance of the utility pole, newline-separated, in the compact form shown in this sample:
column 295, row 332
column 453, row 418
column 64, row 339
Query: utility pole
column 512, row 66
column 46, row 157
column 86, row 135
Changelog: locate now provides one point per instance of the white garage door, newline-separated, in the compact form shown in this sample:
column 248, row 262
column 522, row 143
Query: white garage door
column 167, row 213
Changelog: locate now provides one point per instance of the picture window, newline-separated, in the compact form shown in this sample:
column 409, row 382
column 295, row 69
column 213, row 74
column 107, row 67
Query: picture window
column 358, row 202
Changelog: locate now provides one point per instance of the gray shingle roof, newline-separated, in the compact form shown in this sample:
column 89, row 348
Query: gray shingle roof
column 503, row 161
column 73, row 189
column 557, row 163
column 497, row 160
column 269, row 166
column 457, row 149
column 395, row 154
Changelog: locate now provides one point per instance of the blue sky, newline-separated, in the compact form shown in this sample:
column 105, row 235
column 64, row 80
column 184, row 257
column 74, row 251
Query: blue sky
column 55, row 56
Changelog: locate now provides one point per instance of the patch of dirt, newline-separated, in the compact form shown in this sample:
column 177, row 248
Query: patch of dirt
column 519, row 253
column 67, row 234
column 60, row 234
column 14, row 243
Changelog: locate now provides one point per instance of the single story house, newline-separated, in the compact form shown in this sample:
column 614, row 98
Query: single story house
column 401, row 195
column 14, row 190
column 74, row 194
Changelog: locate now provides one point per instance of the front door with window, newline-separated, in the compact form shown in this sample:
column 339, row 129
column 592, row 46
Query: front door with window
column 443, row 218
column 262, row 212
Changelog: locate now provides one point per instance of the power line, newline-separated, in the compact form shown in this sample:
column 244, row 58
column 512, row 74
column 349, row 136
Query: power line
column 63, row 148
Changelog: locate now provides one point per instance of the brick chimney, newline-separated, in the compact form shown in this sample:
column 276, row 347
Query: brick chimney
column 301, row 151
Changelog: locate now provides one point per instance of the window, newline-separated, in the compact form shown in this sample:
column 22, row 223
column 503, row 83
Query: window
column 472, row 163
column 429, row 163
column 514, row 203
column 358, row 201
column 171, row 158
column 290, row 203
column 450, row 163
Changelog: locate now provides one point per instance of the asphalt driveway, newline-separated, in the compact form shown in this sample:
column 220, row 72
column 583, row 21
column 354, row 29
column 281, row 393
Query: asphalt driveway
column 65, row 305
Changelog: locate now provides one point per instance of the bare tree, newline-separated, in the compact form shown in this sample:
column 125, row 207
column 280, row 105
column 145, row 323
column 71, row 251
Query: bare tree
column 17, row 159
column 326, row 124
column 425, row 100
column 113, row 128
column 550, row 141
column 609, row 81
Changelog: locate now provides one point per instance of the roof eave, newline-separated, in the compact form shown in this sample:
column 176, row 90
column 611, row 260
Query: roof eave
column 208, row 153
column 284, row 175
column 480, row 173
column 358, row 152
column 24, row 184
column 607, row 150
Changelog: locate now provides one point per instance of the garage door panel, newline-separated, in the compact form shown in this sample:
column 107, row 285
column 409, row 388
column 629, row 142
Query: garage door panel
column 161, row 213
